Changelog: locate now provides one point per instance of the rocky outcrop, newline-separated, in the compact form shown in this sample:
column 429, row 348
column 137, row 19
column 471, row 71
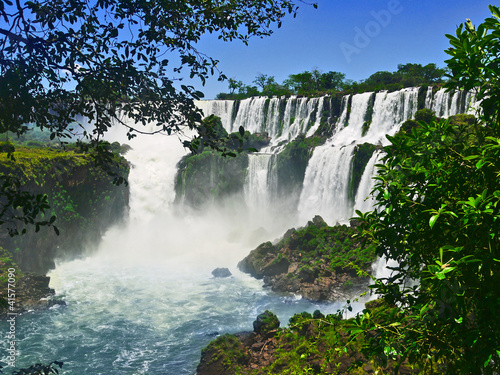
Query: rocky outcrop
column 318, row 262
column 32, row 293
column 311, row 343
column 241, row 350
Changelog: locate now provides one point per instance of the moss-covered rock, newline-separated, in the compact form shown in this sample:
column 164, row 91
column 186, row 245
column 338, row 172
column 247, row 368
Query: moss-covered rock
column 291, row 164
column 266, row 323
column 81, row 195
column 310, row 344
column 319, row 262
column 223, row 356
column 426, row 115
column 209, row 176
column 218, row 168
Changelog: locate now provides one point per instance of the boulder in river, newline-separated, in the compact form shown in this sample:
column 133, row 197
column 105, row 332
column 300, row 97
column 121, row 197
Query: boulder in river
column 221, row 273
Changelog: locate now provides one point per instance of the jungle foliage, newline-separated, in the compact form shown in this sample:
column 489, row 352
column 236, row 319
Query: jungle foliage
column 438, row 216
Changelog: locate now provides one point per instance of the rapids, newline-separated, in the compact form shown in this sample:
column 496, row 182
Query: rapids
column 144, row 301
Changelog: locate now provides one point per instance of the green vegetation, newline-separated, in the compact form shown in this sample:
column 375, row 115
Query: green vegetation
column 310, row 344
column 335, row 246
column 315, row 83
column 438, row 216
column 407, row 75
column 309, row 254
column 226, row 352
column 69, row 185
column 45, row 173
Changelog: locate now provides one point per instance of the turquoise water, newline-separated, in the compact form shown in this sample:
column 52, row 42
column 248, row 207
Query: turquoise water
column 144, row 301
column 133, row 320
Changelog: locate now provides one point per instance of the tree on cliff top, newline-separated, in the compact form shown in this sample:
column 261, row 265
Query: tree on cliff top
column 107, row 60
column 438, row 216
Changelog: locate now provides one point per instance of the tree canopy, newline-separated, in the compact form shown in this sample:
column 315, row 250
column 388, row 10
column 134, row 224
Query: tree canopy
column 111, row 62
column 316, row 83
column 438, row 216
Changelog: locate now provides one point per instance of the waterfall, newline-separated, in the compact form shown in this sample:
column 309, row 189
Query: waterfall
column 283, row 119
column 362, row 118
column 325, row 190
column 297, row 119
column 251, row 115
column 220, row 108
column 363, row 201
column 145, row 302
column 446, row 104
column 342, row 121
column 319, row 112
column 261, row 181
column 328, row 173
column 390, row 110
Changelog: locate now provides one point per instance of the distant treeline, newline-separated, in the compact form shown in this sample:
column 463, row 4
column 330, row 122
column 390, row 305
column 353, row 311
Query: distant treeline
column 317, row 83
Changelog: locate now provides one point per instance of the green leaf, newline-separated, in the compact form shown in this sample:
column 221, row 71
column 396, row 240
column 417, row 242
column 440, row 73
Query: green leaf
column 487, row 362
column 387, row 195
column 480, row 163
column 433, row 220
column 241, row 130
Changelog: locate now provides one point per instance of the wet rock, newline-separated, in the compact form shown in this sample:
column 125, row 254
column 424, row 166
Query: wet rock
column 221, row 272
column 317, row 221
column 32, row 293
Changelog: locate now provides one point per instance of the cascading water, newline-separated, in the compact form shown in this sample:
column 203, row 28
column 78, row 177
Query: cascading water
column 283, row 119
column 145, row 302
column 260, row 181
column 326, row 182
column 364, row 202
column 446, row 104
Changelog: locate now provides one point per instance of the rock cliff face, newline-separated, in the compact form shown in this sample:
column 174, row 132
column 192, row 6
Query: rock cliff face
column 318, row 262
column 80, row 194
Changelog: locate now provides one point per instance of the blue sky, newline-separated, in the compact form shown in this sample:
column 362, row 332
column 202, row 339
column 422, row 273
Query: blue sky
column 358, row 38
